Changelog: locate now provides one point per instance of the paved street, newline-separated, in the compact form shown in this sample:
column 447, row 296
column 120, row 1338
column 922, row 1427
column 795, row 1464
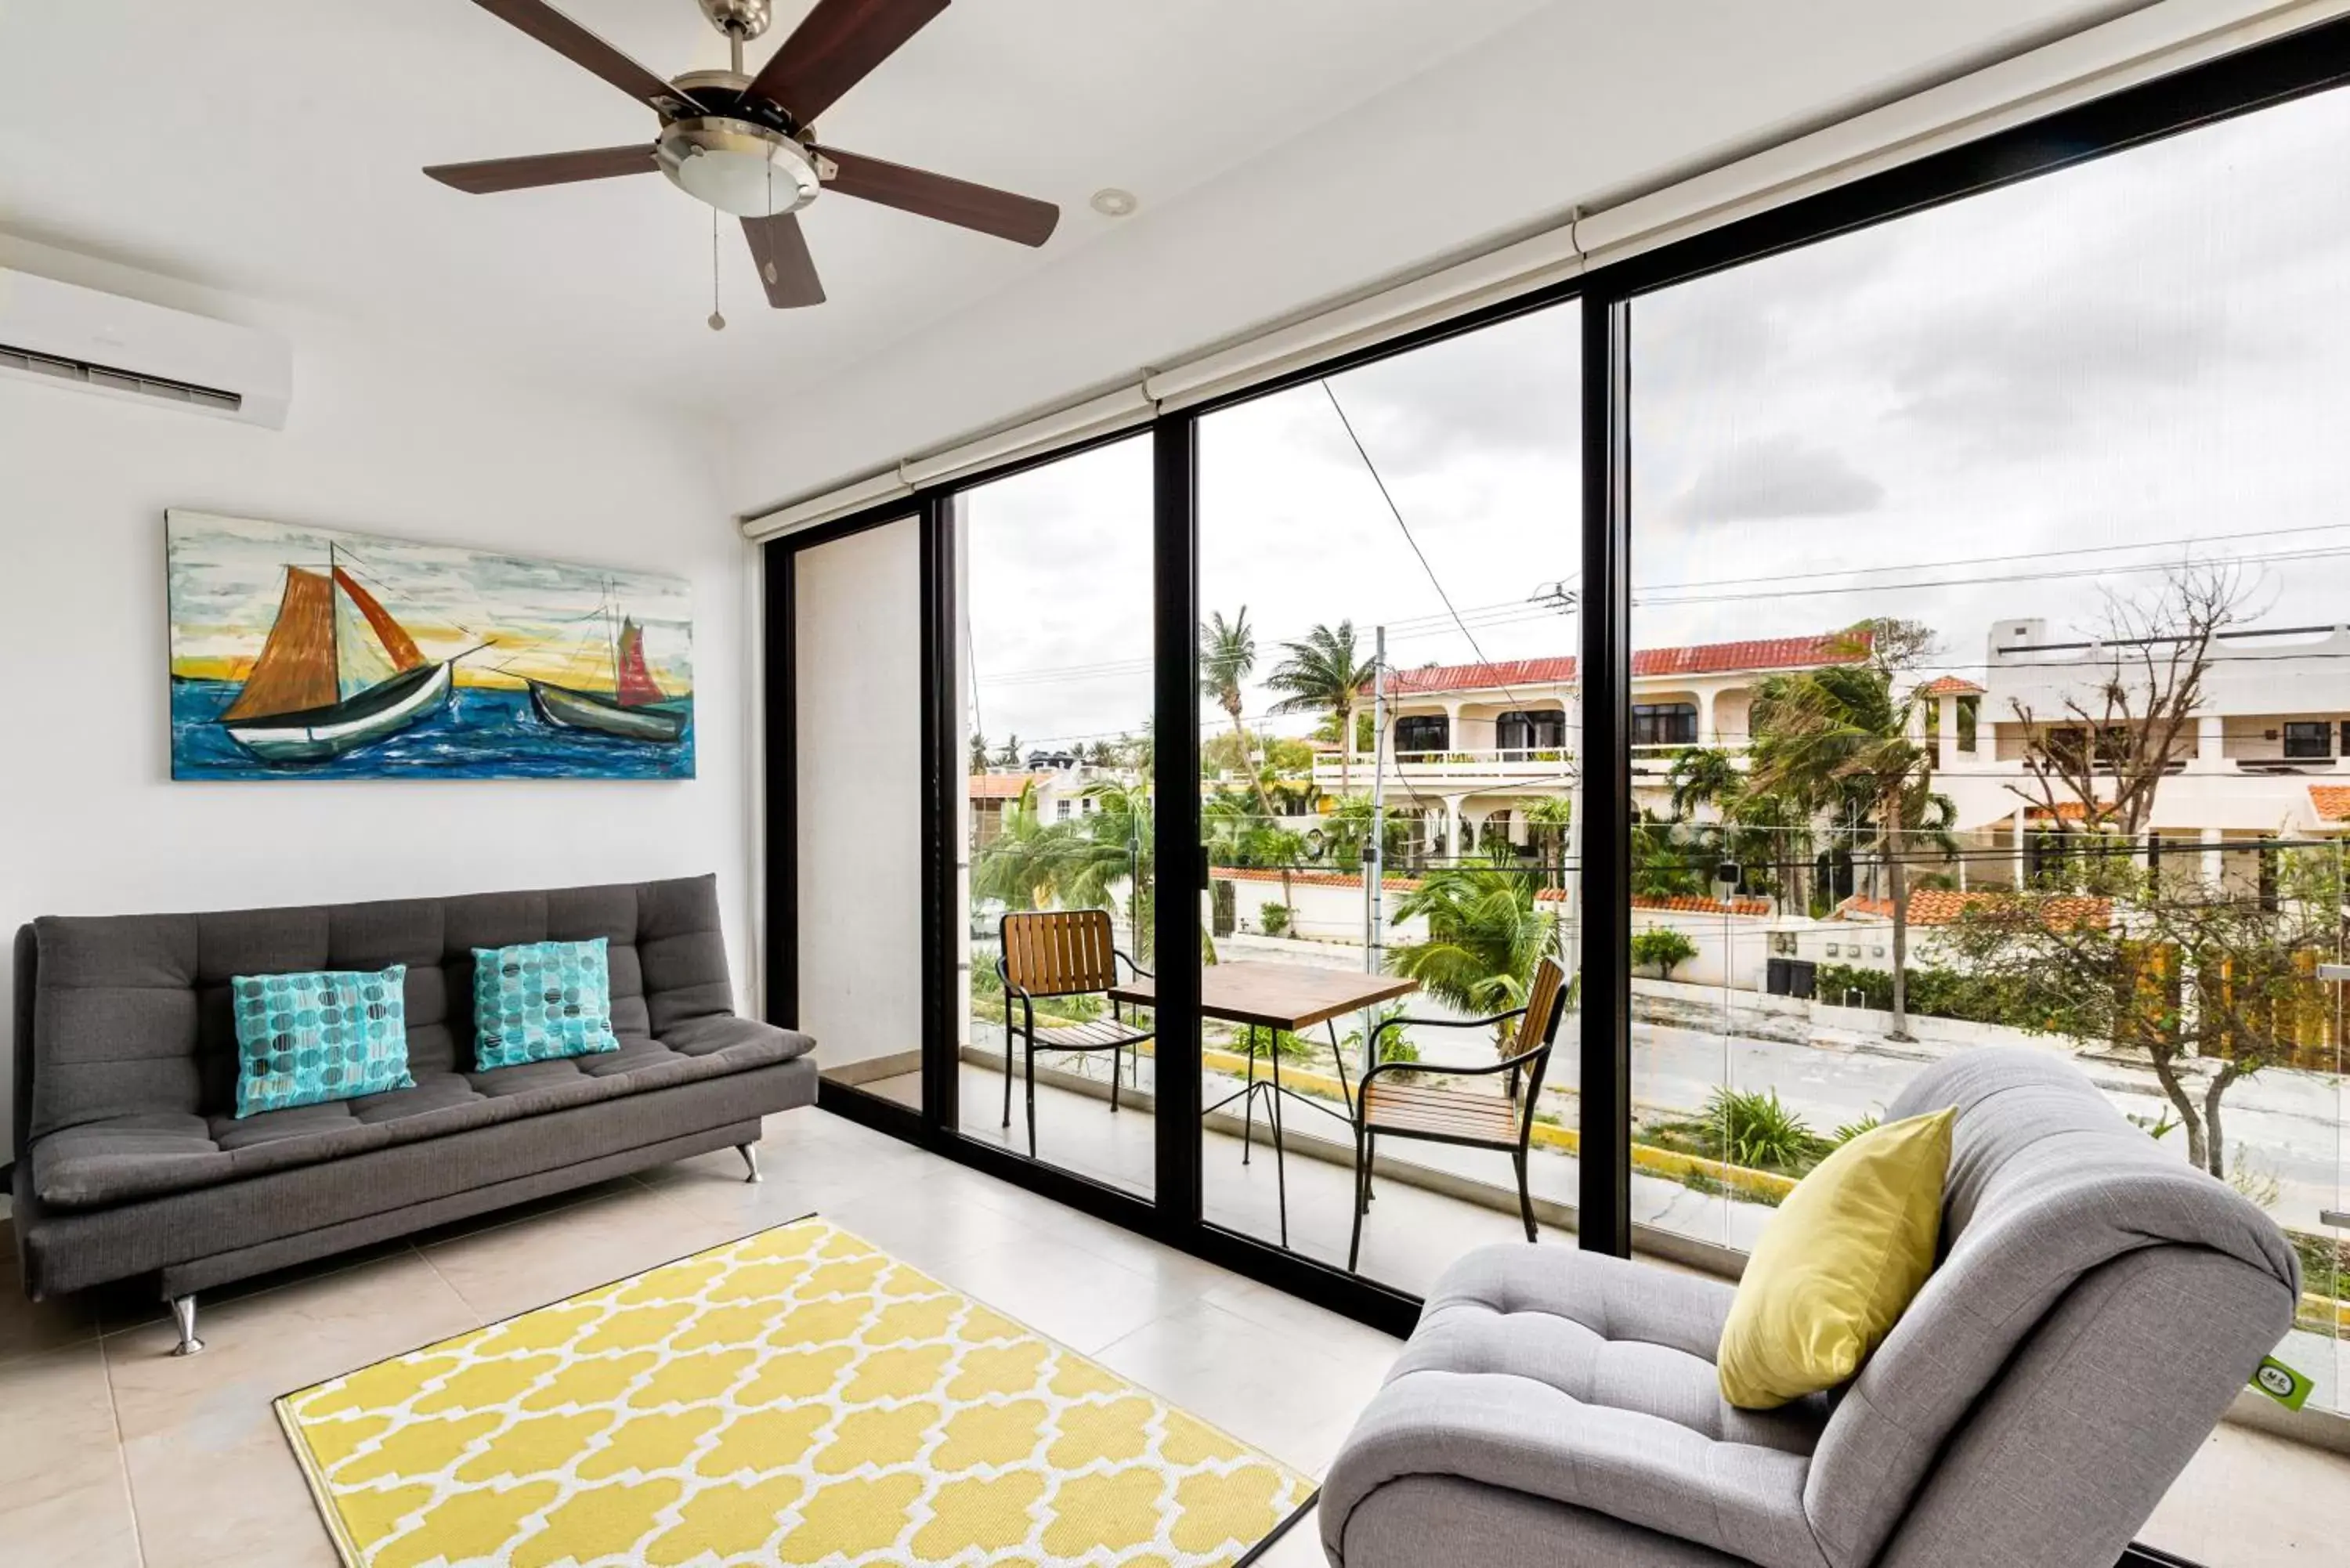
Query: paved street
column 2290, row 1124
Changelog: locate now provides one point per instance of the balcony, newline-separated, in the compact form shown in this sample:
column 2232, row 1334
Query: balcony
column 1543, row 770
column 1548, row 770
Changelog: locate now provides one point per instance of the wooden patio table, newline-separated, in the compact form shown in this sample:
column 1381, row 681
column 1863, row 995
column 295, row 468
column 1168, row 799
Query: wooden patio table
column 1277, row 996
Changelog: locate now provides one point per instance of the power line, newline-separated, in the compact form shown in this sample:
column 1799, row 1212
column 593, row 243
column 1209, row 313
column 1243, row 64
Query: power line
column 2193, row 539
column 1396, row 512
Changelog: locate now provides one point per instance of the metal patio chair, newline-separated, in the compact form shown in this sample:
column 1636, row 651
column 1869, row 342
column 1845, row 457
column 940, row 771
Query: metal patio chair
column 1436, row 1113
column 1060, row 952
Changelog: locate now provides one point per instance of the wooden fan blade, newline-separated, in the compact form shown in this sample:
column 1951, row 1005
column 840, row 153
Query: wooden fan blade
column 493, row 175
column 785, row 269
column 833, row 48
column 577, row 45
column 1021, row 219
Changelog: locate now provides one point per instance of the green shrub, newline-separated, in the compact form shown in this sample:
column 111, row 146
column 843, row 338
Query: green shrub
column 1933, row 992
column 1276, row 918
column 1759, row 1130
column 1851, row 1130
column 1664, row 946
column 1755, row 1129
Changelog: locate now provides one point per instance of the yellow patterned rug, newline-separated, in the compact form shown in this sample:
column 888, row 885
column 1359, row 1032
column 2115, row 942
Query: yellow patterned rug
column 797, row 1396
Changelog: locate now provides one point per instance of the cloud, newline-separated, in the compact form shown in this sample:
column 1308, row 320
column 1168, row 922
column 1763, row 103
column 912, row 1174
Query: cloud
column 2029, row 373
column 1780, row 476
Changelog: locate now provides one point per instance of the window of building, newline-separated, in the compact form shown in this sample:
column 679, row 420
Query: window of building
column 1423, row 732
column 1529, row 730
column 2308, row 738
column 1664, row 724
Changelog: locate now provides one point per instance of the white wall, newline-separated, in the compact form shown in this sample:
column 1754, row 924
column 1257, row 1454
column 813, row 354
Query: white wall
column 1576, row 102
column 857, row 651
column 394, row 438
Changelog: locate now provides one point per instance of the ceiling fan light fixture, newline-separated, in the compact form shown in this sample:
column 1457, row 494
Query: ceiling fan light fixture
column 736, row 166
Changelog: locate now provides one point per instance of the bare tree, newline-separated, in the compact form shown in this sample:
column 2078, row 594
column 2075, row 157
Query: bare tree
column 2095, row 765
column 2184, row 975
column 2207, row 985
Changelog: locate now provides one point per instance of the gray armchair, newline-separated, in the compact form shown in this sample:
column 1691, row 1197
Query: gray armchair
column 2097, row 1305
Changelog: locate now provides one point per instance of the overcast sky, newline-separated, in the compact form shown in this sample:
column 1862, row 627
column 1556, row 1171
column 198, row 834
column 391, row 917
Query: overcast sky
column 2048, row 386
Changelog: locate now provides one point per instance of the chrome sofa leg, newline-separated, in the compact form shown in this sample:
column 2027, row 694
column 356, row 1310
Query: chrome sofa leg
column 183, row 1314
column 750, row 1153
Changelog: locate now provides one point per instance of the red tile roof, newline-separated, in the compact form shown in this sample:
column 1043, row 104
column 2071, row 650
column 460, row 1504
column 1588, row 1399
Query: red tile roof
column 1472, row 677
column 1705, row 658
column 1003, row 786
column 1943, row 906
column 1950, row 686
column 2331, row 802
column 1689, row 904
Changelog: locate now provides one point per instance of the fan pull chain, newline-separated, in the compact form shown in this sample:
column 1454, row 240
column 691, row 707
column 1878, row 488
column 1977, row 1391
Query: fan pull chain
column 717, row 318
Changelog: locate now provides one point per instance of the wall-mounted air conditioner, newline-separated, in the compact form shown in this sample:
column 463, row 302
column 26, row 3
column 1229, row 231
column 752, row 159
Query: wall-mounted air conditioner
column 67, row 336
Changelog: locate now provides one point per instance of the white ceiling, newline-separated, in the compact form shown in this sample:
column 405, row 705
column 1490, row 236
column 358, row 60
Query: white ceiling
column 270, row 147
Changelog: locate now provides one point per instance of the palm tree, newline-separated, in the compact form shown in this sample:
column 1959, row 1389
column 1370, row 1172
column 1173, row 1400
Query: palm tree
column 1022, row 866
column 1136, row 750
column 1227, row 655
column 1349, row 821
column 1009, row 757
column 1548, row 819
column 1111, row 845
column 1704, row 775
column 1235, row 836
column 1484, row 938
column 1323, row 674
column 1668, row 857
column 978, row 752
column 1841, row 731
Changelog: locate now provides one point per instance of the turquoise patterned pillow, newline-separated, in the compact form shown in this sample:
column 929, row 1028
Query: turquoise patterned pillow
column 539, row 1000
column 331, row 1035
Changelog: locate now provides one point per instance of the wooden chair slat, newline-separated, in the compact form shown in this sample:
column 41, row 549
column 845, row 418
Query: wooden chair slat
column 1060, row 952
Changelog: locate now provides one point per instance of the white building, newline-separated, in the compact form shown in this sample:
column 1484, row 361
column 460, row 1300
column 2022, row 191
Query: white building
column 2267, row 756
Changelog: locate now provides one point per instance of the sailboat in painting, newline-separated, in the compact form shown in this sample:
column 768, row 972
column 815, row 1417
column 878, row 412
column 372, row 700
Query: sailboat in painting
column 337, row 672
column 636, row 709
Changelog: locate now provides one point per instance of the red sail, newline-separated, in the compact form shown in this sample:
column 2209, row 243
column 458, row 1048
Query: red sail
column 297, row 666
column 632, row 682
column 396, row 641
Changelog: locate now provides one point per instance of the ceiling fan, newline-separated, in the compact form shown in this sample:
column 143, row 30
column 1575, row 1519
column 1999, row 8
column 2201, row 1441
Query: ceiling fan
column 746, row 144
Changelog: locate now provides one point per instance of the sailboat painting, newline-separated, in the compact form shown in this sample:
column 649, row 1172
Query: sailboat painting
column 304, row 653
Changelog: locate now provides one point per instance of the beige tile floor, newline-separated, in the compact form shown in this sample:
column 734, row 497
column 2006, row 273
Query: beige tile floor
column 112, row 1452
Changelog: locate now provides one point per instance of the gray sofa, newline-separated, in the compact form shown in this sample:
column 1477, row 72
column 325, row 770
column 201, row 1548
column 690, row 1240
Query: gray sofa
column 132, row 1163
column 2098, row 1304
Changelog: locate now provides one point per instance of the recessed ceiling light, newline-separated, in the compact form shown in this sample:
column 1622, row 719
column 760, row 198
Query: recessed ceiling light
column 1112, row 202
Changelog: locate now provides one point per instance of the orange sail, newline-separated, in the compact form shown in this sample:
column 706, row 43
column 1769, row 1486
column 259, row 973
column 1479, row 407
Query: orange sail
column 297, row 666
column 396, row 641
column 632, row 681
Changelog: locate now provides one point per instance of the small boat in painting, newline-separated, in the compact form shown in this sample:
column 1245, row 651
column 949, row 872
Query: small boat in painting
column 337, row 672
column 636, row 709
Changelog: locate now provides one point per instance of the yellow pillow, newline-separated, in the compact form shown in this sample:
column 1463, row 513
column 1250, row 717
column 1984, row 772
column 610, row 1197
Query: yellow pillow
column 1837, row 1265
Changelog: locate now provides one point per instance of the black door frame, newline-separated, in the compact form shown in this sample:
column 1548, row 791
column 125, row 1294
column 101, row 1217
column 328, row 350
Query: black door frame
column 2313, row 60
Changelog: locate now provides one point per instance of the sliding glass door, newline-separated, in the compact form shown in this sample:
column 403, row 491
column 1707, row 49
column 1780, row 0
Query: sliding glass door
column 1988, row 567
column 1390, row 564
column 1808, row 641
column 1054, row 843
